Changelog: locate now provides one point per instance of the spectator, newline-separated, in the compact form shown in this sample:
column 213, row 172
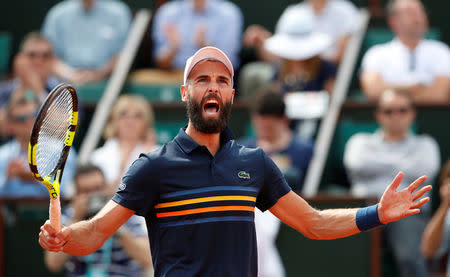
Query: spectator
column 15, row 177
column 371, row 159
column 336, row 18
column 182, row 27
column 273, row 135
column 87, row 36
column 128, row 133
column 32, row 69
column 436, row 238
column 290, row 155
column 297, row 46
column 409, row 62
column 127, row 253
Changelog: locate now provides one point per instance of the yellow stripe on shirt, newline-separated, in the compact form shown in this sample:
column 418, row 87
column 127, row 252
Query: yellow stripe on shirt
column 205, row 199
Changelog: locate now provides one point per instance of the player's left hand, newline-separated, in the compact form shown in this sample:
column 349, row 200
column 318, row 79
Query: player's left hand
column 395, row 205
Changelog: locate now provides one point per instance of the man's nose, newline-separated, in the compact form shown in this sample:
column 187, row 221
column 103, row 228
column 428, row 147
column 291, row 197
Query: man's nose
column 213, row 87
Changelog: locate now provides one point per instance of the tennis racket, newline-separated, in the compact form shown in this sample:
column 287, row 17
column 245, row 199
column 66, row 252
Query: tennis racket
column 50, row 142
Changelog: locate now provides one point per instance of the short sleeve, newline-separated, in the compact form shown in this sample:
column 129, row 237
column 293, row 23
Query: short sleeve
column 274, row 186
column 348, row 18
column 138, row 189
column 441, row 53
column 371, row 60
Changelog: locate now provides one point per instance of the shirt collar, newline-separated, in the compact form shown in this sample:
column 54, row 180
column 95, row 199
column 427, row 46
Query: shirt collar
column 188, row 144
column 206, row 10
column 379, row 135
column 397, row 42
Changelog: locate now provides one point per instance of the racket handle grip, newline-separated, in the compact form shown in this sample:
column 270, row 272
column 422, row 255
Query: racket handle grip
column 55, row 213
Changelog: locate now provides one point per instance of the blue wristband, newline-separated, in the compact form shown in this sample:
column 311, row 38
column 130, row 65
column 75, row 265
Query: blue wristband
column 367, row 218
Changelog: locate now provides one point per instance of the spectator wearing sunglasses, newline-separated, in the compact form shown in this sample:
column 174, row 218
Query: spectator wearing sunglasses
column 15, row 178
column 32, row 69
column 129, row 132
column 371, row 159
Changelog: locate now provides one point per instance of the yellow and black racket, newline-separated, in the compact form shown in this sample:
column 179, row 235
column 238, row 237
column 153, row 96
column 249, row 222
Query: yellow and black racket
column 50, row 141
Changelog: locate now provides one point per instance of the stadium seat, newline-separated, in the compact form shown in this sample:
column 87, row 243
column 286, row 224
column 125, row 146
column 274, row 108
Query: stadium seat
column 5, row 52
column 154, row 92
column 167, row 130
column 91, row 93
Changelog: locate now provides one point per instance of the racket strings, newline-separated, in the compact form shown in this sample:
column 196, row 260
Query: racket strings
column 53, row 132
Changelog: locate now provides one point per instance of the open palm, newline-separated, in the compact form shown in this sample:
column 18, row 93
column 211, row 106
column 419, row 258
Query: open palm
column 395, row 205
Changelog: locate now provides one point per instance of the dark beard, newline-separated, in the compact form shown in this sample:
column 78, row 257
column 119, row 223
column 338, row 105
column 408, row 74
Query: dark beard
column 208, row 126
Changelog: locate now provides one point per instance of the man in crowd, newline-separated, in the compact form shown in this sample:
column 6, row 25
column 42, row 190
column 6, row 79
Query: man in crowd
column 32, row 69
column 87, row 36
column 372, row 159
column 180, row 28
column 291, row 155
column 409, row 62
column 15, row 177
column 273, row 135
column 127, row 253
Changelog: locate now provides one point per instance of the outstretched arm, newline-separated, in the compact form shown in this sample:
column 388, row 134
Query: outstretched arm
column 84, row 237
column 337, row 223
column 435, row 231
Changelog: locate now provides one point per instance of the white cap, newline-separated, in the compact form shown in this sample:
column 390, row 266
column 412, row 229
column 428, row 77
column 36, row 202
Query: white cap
column 207, row 53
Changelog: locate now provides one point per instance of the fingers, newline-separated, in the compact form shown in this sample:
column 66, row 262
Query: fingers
column 51, row 240
column 412, row 212
column 396, row 182
column 416, row 183
column 421, row 192
column 49, row 228
column 419, row 203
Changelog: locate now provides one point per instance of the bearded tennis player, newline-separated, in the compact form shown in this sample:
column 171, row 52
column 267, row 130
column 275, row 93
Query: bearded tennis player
column 198, row 192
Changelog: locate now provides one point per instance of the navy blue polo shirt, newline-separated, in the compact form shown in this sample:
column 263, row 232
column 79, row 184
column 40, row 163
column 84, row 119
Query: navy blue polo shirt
column 199, row 208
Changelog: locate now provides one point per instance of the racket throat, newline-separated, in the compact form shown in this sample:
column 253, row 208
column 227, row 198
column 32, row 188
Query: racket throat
column 53, row 188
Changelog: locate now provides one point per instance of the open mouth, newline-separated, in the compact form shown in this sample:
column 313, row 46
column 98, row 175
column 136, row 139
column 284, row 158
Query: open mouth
column 211, row 106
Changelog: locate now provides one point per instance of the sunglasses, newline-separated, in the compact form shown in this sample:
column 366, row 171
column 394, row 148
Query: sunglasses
column 136, row 115
column 22, row 118
column 36, row 54
column 390, row 111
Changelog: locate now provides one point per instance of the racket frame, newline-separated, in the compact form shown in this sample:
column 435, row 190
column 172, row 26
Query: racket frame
column 53, row 187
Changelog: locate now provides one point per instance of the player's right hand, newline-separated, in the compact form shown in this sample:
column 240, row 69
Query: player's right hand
column 51, row 240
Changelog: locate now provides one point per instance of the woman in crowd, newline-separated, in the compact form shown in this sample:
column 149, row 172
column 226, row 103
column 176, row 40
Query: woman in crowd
column 129, row 132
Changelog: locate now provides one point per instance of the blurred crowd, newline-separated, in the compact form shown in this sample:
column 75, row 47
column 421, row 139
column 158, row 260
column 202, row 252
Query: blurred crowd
column 80, row 41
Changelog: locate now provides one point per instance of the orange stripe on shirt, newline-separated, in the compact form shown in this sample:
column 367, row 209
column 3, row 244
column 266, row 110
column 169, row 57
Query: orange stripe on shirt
column 205, row 199
column 207, row 209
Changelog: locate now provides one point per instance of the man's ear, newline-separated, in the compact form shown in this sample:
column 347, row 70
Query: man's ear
column 184, row 93
column 232, row 96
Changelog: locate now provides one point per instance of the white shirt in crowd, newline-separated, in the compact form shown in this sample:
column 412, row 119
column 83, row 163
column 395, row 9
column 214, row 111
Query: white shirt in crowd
column 372, row 163
column 269, row 262
column 108, row 158
column 337, row 19
column 398, row 65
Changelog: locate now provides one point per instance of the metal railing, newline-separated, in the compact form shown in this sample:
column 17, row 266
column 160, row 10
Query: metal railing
column 114, row 85
column 328, row 125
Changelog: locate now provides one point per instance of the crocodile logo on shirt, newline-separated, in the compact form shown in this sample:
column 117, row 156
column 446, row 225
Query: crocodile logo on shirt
column 243, row 175
column 122, row 186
